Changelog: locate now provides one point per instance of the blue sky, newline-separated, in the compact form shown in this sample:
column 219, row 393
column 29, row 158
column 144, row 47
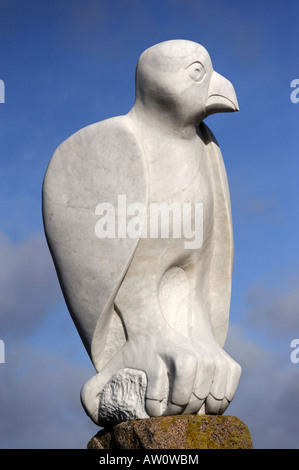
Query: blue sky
column 67, row 64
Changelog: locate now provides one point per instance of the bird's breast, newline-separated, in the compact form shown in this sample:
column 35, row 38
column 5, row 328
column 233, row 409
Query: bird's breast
column 180, row 184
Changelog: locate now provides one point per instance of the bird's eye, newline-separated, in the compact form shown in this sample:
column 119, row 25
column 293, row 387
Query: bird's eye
column 196, row 71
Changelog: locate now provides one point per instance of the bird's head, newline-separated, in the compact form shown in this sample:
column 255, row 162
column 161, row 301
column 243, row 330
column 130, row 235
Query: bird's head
column 177, row 78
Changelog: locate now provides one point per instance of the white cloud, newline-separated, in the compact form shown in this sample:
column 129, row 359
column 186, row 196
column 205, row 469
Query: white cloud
column 40, row 401
column 266, row 399
column 40, row 390
column 28, row 285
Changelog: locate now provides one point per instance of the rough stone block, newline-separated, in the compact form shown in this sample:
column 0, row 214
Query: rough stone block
column 175, row 432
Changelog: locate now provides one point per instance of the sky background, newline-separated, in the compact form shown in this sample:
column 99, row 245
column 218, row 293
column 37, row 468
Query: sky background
column 69, row 63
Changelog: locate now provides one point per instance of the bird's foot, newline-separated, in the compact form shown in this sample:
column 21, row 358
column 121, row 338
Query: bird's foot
column 168, row 375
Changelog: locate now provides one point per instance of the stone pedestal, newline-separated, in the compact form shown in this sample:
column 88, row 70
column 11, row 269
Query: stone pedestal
column 175, row 432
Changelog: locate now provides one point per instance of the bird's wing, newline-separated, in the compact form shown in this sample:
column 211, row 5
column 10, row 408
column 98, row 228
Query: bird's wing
column 95, row 165
column 223, row 244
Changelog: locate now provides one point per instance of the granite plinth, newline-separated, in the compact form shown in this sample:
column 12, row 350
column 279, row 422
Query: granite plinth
column 175, row 432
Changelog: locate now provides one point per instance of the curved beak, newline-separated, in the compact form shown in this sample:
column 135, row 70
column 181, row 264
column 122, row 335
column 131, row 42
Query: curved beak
column 221, row 96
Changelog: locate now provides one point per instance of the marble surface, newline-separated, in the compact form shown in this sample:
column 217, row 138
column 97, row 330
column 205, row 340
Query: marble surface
column 137, row 217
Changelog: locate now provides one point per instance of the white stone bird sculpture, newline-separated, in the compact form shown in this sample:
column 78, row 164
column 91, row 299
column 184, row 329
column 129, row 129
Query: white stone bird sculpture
column 142, row 301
